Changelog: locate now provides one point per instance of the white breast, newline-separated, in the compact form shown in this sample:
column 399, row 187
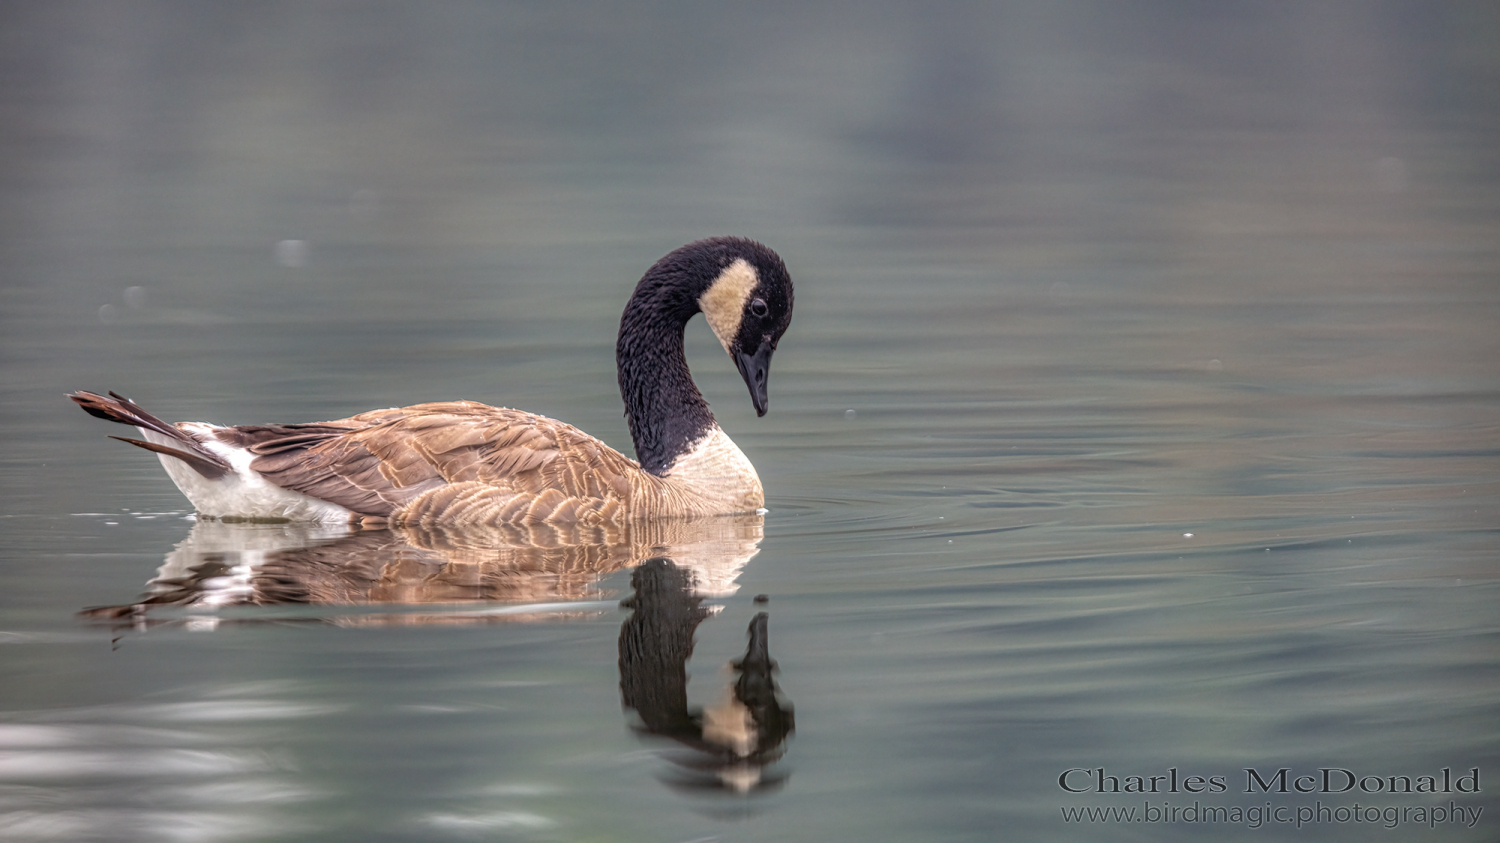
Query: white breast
column 716, row 473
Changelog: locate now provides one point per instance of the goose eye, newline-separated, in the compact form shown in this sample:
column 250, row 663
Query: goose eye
column 758, row 307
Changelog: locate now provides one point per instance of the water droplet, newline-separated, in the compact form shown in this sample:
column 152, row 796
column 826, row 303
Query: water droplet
column 135, row 297
column 849, row 414
column 364, row 204
column 108, row 314
column 1390, row 175
column 291, row 253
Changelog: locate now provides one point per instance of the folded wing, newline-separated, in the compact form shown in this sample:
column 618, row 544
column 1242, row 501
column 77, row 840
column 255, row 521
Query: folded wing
column 458, row 462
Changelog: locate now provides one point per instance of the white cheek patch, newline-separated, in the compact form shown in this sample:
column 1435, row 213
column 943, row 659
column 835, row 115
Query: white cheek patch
column 723, row 303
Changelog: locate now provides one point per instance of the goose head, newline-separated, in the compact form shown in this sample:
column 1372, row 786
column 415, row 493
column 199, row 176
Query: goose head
column 743, row 290
column 748, row 304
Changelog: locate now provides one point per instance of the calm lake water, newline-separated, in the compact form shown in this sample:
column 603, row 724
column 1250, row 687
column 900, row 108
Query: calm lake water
column 1140, row 418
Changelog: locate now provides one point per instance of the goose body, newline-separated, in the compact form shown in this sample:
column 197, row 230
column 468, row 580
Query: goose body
column 463, row 462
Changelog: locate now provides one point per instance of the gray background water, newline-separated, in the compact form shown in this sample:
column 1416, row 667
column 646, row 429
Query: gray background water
column 1139, row 411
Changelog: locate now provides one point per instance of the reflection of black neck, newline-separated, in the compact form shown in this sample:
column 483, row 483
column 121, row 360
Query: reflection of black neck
column 655, row 643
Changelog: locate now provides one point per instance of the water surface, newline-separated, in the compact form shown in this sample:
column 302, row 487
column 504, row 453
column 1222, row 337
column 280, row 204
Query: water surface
column 1139, row 413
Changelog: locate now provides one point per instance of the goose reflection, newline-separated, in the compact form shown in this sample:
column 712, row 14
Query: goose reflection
column 410, row 575
column 413, row 575
column 730, row 743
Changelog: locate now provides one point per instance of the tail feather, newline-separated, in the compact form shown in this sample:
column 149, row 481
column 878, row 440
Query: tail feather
column 209, row 466
column 118, row 408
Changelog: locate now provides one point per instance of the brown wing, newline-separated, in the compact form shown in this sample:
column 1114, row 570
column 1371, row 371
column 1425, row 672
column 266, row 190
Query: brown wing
column 458, row 462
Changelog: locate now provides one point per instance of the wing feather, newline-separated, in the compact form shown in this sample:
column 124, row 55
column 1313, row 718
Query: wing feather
column 455, row 462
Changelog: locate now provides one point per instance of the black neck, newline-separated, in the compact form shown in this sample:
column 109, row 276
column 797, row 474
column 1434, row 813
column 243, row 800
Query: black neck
column 667, row 413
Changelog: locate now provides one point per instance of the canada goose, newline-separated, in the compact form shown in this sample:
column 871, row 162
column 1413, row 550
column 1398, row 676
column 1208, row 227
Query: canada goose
column 463, row 462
